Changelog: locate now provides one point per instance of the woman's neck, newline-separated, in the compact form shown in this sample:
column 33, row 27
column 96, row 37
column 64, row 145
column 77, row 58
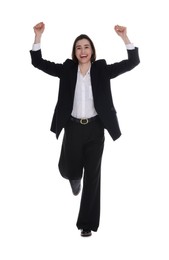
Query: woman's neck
column 84, row 68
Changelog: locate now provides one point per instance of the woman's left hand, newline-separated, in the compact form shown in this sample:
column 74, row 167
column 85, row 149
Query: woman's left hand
column 120, row 30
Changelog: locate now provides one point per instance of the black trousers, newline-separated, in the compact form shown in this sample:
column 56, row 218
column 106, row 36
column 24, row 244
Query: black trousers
column 81, row 156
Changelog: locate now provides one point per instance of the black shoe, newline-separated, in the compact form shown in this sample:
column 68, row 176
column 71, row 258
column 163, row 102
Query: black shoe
column 76, row 186
column 86, row 233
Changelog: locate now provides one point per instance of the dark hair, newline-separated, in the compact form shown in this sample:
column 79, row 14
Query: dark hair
column 80, row 37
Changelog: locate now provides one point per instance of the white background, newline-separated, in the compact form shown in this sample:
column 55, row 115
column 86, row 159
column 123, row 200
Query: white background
column 37, row 209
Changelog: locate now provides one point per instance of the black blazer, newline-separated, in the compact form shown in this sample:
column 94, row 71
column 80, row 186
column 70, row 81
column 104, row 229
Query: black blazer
column 101, row 74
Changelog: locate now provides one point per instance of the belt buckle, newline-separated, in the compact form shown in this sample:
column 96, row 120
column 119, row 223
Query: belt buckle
column 84, row 121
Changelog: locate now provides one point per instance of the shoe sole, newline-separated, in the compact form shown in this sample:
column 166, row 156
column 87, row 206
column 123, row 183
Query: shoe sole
column 87, row 234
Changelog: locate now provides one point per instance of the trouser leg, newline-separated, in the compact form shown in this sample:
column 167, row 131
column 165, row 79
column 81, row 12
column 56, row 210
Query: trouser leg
column 89, row 213
column 71, row 157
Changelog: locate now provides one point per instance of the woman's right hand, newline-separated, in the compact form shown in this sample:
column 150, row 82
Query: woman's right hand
column 39, row 29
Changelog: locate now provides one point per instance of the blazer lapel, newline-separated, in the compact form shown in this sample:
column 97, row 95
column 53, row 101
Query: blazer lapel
column 73, row 79
column 94, row 78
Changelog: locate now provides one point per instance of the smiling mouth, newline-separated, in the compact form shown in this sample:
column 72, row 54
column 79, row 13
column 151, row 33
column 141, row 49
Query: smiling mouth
column 83, row 56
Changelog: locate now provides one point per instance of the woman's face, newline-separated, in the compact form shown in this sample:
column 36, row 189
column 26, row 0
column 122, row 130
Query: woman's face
column 83, row 51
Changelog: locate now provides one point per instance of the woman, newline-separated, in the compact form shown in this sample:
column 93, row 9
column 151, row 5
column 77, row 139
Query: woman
column 84, row 109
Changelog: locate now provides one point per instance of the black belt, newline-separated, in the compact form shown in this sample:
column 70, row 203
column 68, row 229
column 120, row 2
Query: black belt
column 83, row 121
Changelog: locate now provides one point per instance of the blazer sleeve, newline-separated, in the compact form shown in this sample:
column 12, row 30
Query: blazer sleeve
column 123, row 66
column 51, row 68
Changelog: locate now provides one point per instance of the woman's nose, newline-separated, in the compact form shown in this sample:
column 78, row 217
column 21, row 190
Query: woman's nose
column 83, row 50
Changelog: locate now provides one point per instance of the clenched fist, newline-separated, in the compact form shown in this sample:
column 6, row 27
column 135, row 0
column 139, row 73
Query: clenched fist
column 39, row 29
column 120, row 30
